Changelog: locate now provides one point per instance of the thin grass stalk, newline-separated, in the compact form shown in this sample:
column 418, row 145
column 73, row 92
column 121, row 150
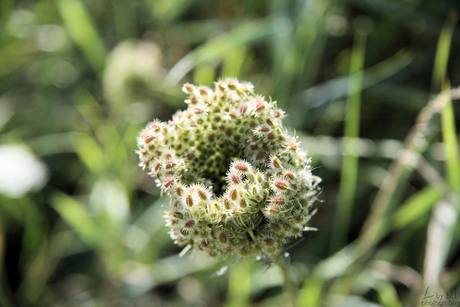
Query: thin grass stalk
column 445, row 215
column 374, row 226
column 350, row 159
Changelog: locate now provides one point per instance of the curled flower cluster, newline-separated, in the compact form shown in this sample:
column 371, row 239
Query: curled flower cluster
column 239, row 185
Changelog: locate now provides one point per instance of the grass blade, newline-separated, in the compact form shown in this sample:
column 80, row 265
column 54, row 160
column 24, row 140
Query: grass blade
column 239, row 287
column 415, row 207
column 442, row 51
column 310, row 295
column 83, row 31
column 445, row 216
column 350, row 159
column 77, row 217
column 449, row 136
column 217, row 48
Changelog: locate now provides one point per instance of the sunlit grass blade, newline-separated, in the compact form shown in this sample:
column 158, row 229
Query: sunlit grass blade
column 239, row 287
column 415, row 207
column 449, row 135
column 217, row 48
column 106, row 133
column 204, row 74
column 165, row 11
column 334, row 267
column 439, row 83
column 83, row 31
column 443, row 51
column 311, row 293
column 387, row 294
column 233, row 62
column 398, row 174
column 349, row 174
column 88, row 107
column 89, row 152
column 78, row 218
column 445, row 215
column 452, row 168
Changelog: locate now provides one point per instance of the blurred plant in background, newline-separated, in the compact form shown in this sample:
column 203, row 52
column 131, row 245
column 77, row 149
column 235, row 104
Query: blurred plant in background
column 363, row 84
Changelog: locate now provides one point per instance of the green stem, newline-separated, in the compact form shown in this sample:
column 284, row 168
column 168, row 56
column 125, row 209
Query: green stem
column 288, row 284
column 349, row 174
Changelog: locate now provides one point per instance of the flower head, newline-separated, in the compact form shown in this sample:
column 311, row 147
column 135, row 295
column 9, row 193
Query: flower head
column 231, row 171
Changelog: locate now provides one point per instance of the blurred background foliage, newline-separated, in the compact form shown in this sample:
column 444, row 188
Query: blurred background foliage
column 81, row 225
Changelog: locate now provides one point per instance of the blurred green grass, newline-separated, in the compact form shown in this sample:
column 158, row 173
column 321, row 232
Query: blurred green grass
column 81, row 225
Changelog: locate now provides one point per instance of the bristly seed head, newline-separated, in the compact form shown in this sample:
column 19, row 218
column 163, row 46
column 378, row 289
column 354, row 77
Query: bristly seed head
column 232, row 172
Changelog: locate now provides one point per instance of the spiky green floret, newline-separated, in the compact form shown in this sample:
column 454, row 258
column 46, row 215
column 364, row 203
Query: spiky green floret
column 239, row 185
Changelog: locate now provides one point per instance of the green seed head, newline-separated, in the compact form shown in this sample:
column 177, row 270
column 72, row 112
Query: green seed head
column 231, row 170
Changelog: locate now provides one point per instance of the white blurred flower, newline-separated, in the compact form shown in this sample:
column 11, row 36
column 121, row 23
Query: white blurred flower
column 20, row 171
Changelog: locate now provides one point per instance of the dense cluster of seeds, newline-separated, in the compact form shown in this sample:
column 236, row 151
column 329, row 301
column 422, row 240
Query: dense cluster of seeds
column 239, row 185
